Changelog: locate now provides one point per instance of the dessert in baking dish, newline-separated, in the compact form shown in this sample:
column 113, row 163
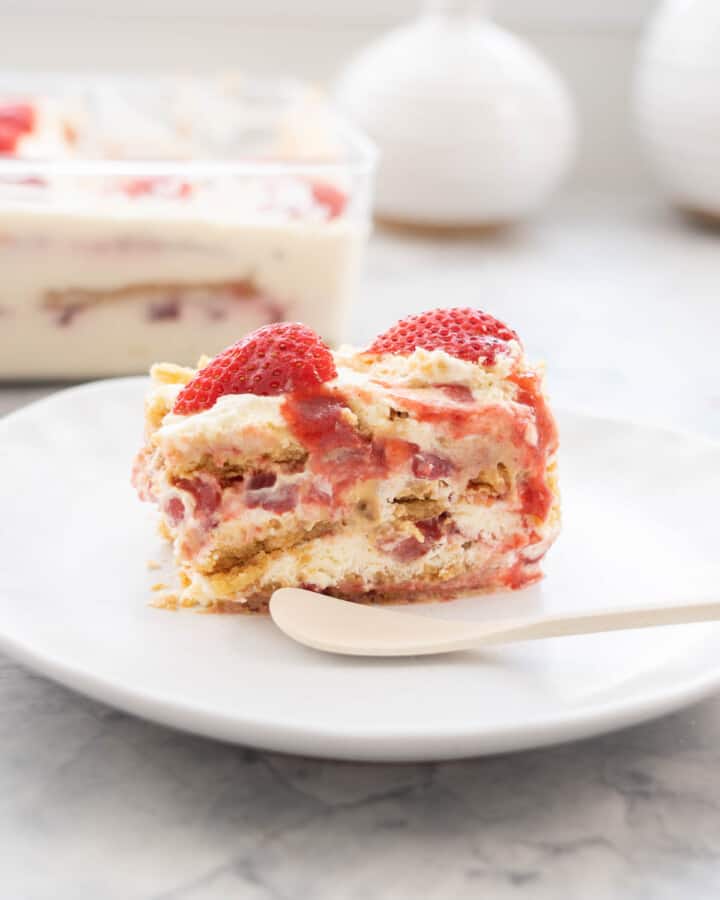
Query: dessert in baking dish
column 132, row 231
column 418, row 468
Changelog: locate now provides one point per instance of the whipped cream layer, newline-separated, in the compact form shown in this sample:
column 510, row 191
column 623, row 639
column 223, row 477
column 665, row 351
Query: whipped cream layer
column 375, row 383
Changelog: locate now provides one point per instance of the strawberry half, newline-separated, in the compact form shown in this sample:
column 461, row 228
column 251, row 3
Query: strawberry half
column 275, row 359
column 462, row 332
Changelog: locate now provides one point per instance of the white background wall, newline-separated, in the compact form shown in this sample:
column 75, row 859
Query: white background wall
column 593, row 43
column 562, row 12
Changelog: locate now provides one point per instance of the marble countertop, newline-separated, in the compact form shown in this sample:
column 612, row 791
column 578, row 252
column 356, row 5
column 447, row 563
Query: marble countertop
column 623, row 301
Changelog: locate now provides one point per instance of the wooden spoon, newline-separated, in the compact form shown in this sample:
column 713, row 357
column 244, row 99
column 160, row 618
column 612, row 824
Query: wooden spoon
column 337, row 626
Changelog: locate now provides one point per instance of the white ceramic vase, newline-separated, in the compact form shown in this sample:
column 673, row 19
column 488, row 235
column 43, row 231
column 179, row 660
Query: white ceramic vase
column 677, row 101
column 474, row 128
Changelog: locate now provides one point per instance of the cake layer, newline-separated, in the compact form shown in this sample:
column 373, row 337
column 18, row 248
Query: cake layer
column 408, row 561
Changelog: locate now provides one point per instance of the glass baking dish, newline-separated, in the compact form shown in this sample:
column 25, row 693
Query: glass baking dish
column 143, row 220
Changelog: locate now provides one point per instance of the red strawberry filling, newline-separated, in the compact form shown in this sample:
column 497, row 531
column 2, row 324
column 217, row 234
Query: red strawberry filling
column 457, row 392
column 175, row 511
column 430, row 465
column 319, row 421
column 16, row 120
column 332, row 198
column 279, row 499
column 411, row 548
column 450, row 416
column 205, row 492
column 535, row 493
column 259, row 480
column 158, row 186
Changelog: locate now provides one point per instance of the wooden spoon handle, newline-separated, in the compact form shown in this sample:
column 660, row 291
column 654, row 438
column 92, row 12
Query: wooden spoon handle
column 595, row 622
column 336, row 626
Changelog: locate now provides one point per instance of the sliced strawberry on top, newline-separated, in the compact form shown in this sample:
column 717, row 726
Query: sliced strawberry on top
column 276, row 359
column 462, row 332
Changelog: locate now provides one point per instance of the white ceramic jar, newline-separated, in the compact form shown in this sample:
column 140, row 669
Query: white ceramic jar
column 677, row 101
column 474, row 128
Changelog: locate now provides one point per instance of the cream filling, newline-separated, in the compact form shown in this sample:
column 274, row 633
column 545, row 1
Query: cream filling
column 422, row 370
column 326, row 561
column 230, row 414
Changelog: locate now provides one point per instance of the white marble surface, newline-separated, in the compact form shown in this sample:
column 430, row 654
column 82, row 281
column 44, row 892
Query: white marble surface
column 624, row 303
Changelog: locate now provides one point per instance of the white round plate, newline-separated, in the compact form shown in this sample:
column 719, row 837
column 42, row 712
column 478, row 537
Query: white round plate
column 640, row 526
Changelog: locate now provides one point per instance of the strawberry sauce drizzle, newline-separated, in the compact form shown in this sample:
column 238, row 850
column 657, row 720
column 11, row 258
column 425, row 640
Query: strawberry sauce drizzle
column 430, row 465
column 535, row 494
column 453, row 416
column 460, row 393
column 338, row 451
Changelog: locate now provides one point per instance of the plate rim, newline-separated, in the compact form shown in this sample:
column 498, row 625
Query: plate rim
column 400, row 745
column 405, row 745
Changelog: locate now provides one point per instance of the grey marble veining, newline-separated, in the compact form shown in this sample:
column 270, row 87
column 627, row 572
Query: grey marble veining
column 623, row 302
